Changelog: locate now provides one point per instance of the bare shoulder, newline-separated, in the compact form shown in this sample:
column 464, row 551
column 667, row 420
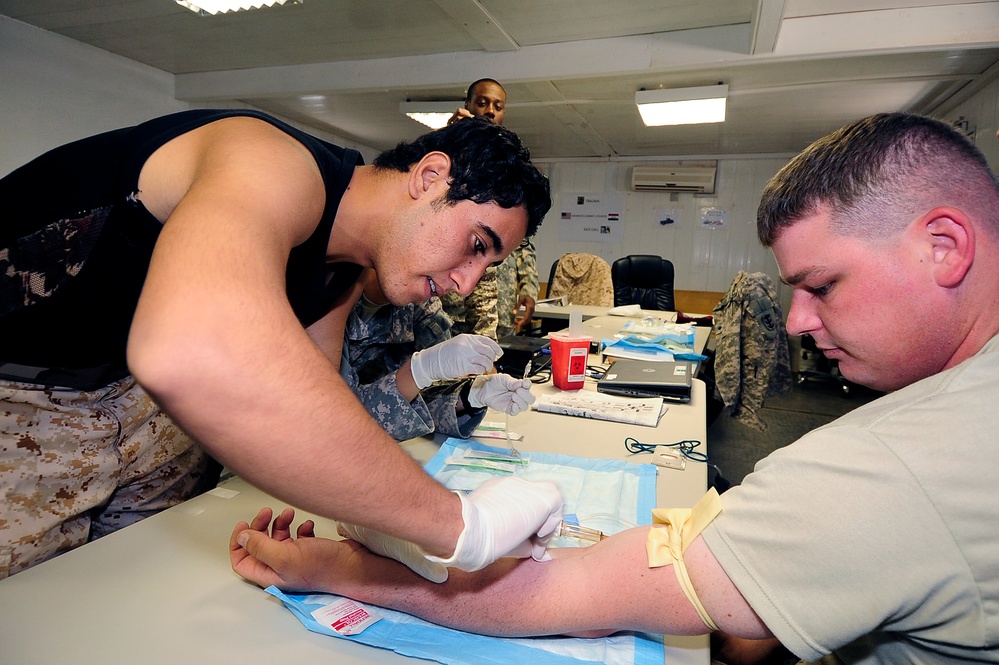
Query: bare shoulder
column 242, row 162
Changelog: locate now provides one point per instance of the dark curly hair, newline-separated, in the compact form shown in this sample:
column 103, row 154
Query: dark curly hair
column 488, row 164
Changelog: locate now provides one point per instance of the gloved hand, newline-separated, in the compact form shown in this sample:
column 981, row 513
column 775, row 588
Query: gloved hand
column 454, row 358
column 401, row 550
column 500, row 516
column 501, row 392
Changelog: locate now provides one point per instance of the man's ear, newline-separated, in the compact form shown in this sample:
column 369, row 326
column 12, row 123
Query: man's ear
column 433, row 169
column 952, row 244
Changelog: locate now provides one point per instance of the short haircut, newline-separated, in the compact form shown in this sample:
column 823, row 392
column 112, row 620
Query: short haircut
column 875, row 175
column 471, row 88
column 489, row 164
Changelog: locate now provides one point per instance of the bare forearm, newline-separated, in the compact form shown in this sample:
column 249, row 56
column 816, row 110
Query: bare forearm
column 585, row 592
column 582, row 591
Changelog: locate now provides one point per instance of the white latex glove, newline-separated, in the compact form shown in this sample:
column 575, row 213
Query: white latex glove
column 501, row 392
column 462, row 355
column 401, row 550
column 501, row 516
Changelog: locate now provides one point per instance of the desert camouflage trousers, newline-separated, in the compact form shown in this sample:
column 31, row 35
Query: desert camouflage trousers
column 77, row 465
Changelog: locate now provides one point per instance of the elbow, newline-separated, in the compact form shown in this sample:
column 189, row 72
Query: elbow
column 157, row 367
column 169, row 365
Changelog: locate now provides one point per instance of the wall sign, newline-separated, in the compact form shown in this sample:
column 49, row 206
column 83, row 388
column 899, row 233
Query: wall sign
column 590, row 217
column 713, row 218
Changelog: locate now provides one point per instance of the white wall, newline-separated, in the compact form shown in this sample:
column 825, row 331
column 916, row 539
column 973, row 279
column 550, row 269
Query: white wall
column 54, row 90
column 981, row 112
column 57, row 90
column 705, row 259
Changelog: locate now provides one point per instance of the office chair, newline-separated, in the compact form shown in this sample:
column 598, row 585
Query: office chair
column 584, row 278
column 645, row 280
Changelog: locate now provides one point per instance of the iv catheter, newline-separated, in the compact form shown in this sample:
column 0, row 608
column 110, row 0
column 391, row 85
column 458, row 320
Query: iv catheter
column 579, row 532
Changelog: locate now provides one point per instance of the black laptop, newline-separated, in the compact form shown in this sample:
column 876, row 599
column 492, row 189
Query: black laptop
column 670, row 380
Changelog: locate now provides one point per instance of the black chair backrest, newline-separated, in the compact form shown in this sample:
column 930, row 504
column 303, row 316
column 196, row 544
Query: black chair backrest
column 645, row 280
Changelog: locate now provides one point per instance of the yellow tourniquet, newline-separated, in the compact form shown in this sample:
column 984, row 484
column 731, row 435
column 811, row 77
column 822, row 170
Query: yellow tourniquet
column 665, row 546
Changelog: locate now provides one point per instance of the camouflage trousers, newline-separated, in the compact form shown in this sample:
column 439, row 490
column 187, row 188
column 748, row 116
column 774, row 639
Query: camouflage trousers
column 77, row 465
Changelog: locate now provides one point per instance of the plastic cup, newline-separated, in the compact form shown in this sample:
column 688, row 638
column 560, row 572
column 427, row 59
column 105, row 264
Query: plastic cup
column 569, row 356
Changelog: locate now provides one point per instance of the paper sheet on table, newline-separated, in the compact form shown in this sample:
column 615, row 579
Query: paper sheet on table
column 610, row 495
column 625, row 310
column 645, row 411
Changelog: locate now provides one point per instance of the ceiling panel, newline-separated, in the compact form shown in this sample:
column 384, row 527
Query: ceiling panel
column 570, row 67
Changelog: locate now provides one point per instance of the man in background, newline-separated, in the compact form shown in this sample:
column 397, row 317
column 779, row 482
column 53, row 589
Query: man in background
column 493, row 309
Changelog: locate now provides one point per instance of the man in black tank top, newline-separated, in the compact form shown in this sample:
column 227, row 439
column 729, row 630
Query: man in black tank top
column 188, row 280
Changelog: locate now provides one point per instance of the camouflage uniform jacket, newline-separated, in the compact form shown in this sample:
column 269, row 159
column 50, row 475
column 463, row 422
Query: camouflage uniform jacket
column 516, row 276
column 376, row 346
column 585, row 279
column 476, row 313
column 751, row 355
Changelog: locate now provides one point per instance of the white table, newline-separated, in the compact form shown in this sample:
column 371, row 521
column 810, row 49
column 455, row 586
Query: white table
column 162, row 591
column 561, row 312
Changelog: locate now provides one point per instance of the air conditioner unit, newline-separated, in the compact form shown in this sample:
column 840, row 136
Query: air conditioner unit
column 699, row 179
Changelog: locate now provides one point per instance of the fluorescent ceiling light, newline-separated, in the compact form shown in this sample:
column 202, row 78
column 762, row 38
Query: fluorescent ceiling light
column 206, row 7
column 432, row 114
column 682, row 106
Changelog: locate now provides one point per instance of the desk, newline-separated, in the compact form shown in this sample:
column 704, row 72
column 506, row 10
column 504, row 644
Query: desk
column 561, row 312
column 556, row 317
column 162, row 592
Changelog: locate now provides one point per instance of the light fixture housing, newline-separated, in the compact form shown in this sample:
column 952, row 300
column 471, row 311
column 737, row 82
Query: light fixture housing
column 682, row 106
column 432, row 114
column 212, row 7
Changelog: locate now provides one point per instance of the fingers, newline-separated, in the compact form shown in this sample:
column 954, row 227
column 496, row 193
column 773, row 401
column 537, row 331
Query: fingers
column 281, row 527
column 520, row 396
column 518, row 404
column 259, row 524
column 485, row 347
column 486, row 350
column 307, row 529
column 262, row 520
column 238, row 529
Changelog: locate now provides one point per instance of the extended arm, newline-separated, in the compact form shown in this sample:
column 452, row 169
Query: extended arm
column 585, row 591
column 215, row 341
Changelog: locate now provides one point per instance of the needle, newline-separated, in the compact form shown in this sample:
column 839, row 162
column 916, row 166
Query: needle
column 509, row 441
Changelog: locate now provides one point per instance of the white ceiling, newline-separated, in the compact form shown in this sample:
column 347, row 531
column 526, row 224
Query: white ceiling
column 796, row 69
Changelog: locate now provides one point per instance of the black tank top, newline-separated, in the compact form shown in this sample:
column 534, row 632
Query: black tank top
column 75, row 246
